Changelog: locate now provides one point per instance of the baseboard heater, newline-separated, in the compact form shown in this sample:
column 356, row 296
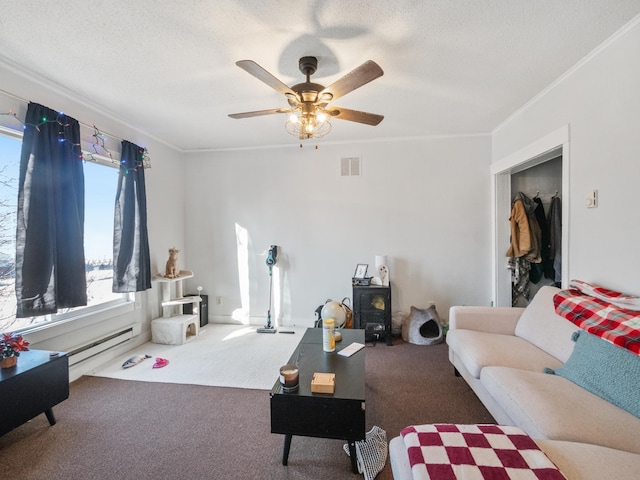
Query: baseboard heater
column 103, row 344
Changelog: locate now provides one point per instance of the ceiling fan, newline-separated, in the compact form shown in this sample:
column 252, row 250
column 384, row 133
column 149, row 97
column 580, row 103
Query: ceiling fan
column 309, row 111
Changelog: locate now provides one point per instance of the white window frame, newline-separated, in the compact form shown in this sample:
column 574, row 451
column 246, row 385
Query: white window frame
column 90, row 314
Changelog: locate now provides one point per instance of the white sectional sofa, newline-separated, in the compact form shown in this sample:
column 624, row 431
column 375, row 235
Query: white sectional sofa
column 502, row 354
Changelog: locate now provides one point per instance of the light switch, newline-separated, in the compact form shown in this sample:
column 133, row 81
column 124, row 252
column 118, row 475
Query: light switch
column 592, row 199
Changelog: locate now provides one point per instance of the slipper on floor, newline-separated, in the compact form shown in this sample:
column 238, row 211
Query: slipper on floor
column 161, row 362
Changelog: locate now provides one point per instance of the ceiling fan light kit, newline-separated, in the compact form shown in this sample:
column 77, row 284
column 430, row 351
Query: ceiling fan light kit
column 308, row 122
column 308, row 115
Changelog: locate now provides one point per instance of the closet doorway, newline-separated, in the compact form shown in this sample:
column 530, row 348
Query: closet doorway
column 541, row 168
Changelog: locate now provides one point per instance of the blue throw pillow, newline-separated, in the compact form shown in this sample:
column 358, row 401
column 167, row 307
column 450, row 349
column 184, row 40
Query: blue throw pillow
column 604, row 369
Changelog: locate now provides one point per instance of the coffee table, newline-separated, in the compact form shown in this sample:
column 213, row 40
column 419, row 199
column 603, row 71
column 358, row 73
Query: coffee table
column 339, row 415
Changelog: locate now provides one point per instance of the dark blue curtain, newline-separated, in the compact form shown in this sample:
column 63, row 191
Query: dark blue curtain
column 50, row 266
column 131, row 264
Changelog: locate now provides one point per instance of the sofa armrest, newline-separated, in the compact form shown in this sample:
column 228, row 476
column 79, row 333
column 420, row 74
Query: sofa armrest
column 500, row 320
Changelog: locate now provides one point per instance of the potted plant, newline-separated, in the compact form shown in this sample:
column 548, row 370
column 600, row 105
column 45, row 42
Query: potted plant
column 10, row 347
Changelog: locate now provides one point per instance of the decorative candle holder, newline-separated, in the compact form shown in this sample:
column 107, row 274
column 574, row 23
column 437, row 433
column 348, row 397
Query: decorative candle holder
column 289, row 378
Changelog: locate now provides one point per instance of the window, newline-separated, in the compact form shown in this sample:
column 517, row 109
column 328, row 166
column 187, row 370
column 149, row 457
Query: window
column 100, row 189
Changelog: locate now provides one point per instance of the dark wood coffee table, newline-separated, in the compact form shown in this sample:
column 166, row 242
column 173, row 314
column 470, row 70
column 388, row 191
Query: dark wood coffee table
column 339, row 415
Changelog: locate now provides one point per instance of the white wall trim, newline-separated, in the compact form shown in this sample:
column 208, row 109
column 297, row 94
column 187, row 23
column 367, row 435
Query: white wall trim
column 501, row 171
column 603, row 46
column 340, row 142
column 534, row 149
column 11, row 132
column 76, row 97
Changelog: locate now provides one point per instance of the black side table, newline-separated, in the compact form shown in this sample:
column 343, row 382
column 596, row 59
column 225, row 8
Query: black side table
column 372, row 311
column 34, row 386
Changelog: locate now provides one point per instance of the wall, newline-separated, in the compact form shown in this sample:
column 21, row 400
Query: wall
column 599, row 99
column 165, row 207
column 425, row 203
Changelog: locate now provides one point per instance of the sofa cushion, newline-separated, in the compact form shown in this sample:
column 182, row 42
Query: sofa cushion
column 552, row 407
column 609, row 371
column 502, row 320
column 591, row 462
column 542, row 326
column 479, row 349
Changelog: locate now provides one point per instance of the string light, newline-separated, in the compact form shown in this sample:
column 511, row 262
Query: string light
column 142, row 162
column 96, row 158
column 13, row 114
column 62, row 125
column 146, row 159
column 99, row 142
column 98, row 145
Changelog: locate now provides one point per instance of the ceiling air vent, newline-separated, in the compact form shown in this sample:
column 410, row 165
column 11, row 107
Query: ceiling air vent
column 350, row 167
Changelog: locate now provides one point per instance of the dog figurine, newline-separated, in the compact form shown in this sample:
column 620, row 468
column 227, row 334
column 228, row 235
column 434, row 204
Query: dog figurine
column 172, row 270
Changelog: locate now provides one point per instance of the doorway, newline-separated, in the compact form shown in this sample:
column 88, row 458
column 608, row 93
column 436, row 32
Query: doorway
column 554, row 145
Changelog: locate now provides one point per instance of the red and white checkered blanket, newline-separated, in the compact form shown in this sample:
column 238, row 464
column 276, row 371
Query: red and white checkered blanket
column 613, row 316
column 475, row 452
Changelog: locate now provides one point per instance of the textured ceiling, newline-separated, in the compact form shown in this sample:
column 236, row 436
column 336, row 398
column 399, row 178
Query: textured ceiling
column 168, row 67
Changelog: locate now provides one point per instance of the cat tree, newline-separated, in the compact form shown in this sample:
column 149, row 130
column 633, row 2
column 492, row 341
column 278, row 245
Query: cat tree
column 175, row 328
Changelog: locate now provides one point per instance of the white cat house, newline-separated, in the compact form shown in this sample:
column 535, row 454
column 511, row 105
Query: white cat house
column 175, row 328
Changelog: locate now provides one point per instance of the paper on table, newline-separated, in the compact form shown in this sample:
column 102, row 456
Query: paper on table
column 351, row 349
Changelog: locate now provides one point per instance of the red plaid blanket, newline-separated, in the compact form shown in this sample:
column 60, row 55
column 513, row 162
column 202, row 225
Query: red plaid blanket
column 489, row 452
column 592, row 309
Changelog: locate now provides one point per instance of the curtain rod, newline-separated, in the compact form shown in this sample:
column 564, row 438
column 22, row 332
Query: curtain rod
column 89, row 156
column 93, row 127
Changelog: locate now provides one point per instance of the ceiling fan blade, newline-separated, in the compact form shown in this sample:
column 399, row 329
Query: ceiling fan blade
column 356, row 78
column 259, row 113
column 261, row 74
column 355, row 115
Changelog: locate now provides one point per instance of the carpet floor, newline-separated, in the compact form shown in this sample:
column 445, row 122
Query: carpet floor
column 110, row 428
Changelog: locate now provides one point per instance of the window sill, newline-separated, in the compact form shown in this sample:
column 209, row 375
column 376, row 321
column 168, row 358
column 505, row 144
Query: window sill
column 80, row 320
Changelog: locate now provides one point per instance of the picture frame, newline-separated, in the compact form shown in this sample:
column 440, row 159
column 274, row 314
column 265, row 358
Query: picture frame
column 361, row 270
